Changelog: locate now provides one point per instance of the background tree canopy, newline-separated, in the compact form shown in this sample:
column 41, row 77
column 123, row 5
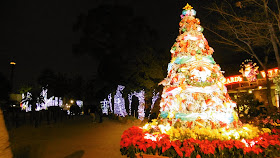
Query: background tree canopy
column 123, row 44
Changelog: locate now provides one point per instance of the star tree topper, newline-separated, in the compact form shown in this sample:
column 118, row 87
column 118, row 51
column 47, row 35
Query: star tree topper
column 188, row 7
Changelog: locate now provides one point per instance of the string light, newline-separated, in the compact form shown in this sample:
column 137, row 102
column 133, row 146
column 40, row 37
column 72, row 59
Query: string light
column 119, row 103
column 154, row 98
column 47, row 102
column 141, row 106
column 79, row 103
column 104, row 106
column 110, row 102
column 249, row 70
column 129, row 96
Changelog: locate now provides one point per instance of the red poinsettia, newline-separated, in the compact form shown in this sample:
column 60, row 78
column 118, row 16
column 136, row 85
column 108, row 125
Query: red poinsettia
column 257, row 150
column 136, row 136
column 275, row 131
column 188, row 147
column 164, row 142
column 177, row 146
column 238, row 144
column 228, row 143
column 206, row 147
column 132, row 136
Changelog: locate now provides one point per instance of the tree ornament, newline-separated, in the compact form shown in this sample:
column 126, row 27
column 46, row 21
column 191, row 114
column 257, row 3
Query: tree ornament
column 193, row 12
column 200, row 29
column 188, row 7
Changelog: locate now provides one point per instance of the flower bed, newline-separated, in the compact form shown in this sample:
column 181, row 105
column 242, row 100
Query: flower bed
column 140, row 155
column 137, row 140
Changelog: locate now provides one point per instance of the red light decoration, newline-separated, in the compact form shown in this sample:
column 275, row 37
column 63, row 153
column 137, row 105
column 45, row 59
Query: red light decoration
column 249, row 70
column 271, row 73
column 233, row 79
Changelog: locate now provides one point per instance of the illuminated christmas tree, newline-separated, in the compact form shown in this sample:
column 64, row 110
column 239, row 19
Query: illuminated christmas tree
column 197, row 116
column 194, row 93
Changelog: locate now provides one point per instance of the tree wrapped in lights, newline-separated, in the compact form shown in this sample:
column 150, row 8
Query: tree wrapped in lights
column 104, row 106
column 141, row 107
column 154, row 98
column 119, row 103
column 110, row 102
column 194, row 93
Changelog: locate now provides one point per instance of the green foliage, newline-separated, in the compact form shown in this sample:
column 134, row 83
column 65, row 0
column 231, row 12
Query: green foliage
column 276, row 81
column 130, row 151
column 247, row 105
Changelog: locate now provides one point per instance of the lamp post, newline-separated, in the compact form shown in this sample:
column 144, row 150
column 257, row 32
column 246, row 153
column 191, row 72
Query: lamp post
column 13, row 64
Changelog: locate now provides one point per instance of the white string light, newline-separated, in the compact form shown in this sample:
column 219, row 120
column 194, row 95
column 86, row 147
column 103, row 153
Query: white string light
column 110, row 102
column 154, row 98
column 119, row 103
column 104, row 106
column 47, row 102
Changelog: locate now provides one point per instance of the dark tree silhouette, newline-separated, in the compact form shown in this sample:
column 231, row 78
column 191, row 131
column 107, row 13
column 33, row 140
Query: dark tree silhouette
column 122, row 42
column 4, row 88
column 249, row 26
column 77, row 88
column 56, row 83
column 47, row 79
column 112, row 29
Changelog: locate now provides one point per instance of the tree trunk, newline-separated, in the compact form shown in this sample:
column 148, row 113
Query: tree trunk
column 5, row 148
column 274, row 44
column 268, row 90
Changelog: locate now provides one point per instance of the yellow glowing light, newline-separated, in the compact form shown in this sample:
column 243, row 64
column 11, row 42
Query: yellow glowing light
column 223, row 80
column 184, row 69
column 163, row 128
column 250, row 91
column 146, row 127
column 233, row 79
column 12, row 63
column 173, row 60
column 188, row 7
column 270, row 72
column 260, row 87
column 71, row 101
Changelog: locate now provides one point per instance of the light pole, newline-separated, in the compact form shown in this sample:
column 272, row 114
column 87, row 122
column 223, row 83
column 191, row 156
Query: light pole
column 13, row 64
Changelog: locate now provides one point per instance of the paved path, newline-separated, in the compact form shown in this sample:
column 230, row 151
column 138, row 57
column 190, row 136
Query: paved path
column 78, row 139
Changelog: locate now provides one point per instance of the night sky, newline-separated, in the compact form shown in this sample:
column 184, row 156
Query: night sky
column 39, row 34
